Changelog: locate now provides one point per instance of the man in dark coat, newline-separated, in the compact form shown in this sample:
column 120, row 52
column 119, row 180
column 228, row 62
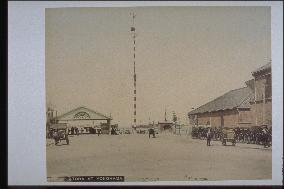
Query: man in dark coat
column 152, row 132
column 72, row 130
column 208, row 136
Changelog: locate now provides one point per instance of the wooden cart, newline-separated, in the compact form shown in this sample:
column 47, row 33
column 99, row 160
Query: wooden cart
column 228, row 135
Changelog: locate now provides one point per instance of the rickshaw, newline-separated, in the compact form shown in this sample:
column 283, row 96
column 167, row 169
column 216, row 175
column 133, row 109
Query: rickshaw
column 228, row 135
column 60, row 132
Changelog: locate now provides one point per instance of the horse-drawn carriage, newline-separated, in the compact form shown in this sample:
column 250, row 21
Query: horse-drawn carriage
column 59, row 132
column 228, row 135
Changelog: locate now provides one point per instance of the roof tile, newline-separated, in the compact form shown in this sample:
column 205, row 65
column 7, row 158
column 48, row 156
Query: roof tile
column 238, row 98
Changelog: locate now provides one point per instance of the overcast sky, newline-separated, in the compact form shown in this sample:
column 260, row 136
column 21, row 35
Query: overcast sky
column 185, row 57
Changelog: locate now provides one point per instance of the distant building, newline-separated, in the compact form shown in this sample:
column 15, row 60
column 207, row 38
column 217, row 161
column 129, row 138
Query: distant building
column 165, row 126
column 244, row 107
column 85, row 118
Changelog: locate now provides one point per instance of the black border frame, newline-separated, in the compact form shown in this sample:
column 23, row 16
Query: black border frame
column 4, row 113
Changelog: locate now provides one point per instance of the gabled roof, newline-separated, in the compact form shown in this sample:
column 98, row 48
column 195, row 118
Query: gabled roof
column 91, row 114
column 266, row 67
column 238, row 98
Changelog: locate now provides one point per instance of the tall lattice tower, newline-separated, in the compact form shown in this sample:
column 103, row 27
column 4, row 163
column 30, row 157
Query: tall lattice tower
column 133, row 33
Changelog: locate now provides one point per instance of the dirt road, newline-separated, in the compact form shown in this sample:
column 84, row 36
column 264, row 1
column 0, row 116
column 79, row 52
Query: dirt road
column 165, row 158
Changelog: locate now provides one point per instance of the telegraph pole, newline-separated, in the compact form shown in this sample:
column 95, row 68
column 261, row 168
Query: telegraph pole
column 133, row 32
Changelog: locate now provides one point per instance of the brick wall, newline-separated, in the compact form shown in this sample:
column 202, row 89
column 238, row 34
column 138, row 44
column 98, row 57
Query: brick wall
column 262, row 114
column 245, row 116
column 230, row 117
column 216, row 119
column 259, row 88
column 263, row 86
column 203, row 119
column 262, row 111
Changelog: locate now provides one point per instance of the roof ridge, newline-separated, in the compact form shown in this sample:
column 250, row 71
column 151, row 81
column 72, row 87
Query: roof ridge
column 265, row 66
column 248, row 97
column 70, row 111
column 97, row 112
column 220, row 97
column 223, row 95
column 238, row 88
column 82, row 107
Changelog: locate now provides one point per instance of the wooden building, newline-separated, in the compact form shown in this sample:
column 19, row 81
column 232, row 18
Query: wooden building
column 244, row 107
column 261, row 102
column 229, row 110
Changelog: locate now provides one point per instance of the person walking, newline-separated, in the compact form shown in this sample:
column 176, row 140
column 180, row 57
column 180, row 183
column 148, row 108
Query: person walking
column 208, row 136
column 151, row 132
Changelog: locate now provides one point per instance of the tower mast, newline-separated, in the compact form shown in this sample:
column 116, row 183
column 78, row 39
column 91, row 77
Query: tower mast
column 133, row 32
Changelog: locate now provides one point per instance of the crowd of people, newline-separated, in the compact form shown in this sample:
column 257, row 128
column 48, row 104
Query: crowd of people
column 73, row 131
column 252, row 135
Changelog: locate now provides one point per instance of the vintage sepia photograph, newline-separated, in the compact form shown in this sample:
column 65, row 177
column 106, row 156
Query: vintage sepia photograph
column 146, row 94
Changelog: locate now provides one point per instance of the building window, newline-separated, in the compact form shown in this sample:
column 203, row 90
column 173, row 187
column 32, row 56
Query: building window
column 268, row 88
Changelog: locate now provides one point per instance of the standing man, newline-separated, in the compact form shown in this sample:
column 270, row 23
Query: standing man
column 99, row 129
column 208, row 136
column 152, row 132
column 72, row 130
column 265, row 137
